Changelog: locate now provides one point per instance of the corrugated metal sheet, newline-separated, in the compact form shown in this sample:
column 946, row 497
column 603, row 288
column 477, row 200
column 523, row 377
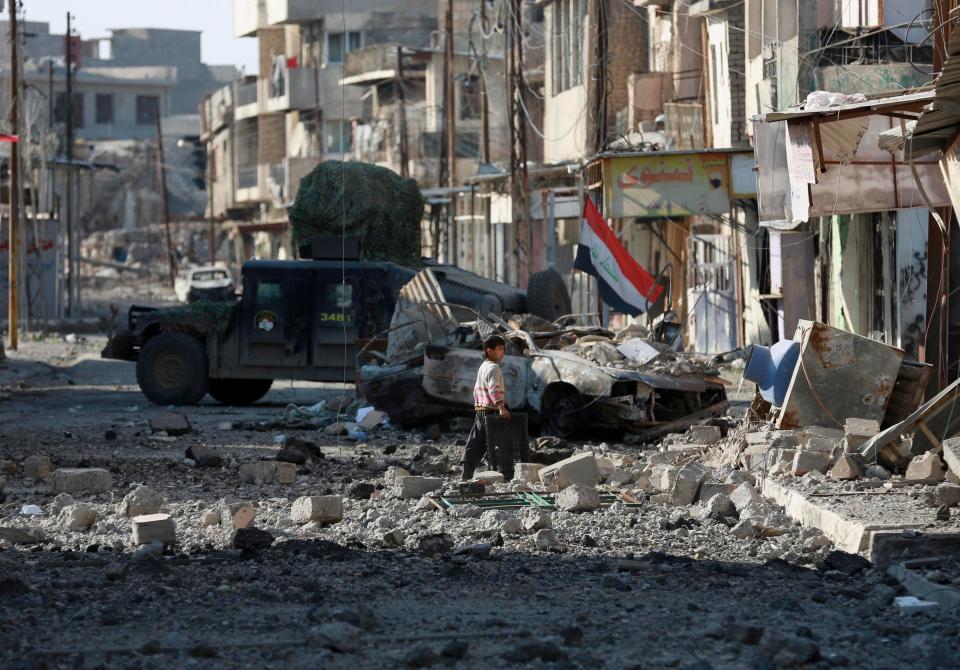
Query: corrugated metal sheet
column 938, row 126
column 875, row 105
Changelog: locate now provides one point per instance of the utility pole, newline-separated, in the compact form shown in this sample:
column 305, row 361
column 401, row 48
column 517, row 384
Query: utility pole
column 401, row 98
column 449, row 101
column 484, row 103
column 13, row 290
column 208, row 166
column 73, row 283
column 166, row 202
column 519, row 177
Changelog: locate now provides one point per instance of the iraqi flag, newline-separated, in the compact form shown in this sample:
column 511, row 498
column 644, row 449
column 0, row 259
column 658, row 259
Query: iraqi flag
column 624, row 285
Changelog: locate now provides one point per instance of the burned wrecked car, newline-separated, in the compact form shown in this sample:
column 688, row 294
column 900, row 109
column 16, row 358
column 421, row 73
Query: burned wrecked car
column 567, row 376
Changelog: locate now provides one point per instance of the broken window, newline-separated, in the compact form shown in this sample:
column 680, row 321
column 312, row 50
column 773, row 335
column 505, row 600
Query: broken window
column 60, row 109
column 565, row 43
column 104, row 108
column 148, row 109
column 470, row 100
column 338, row 47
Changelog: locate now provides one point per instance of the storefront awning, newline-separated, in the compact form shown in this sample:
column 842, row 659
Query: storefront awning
column 842, row 159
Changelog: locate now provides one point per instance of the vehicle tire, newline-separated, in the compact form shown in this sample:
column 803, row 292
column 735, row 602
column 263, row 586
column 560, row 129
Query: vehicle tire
column 562, row 412
column 172, row 369
column 547, row 296
column 239, row 391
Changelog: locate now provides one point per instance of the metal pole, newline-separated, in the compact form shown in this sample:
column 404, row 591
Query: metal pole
column 402, row 107
column 166, row 203
column 208, row 169
column 449, row 103
column 13, row 290
column 71, row 243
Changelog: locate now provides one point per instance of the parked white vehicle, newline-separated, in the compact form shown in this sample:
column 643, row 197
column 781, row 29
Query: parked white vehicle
column 204, row 282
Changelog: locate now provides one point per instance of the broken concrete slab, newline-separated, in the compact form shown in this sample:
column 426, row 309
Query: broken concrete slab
column 545, row 538
column 578, row 498
column 951, row 454
column 744, row 495
column 536, row 519
column 171, row 423
column 846, row 468
column 810, row 461
column 154, row 528
column 141, row 501
column 15, row 535
column 80, row 517
column 490, row 477
column 708, row 435
column 687, row 485
column 708, row 489
column 578, row 469
column 527, row 472
column 322, row 509
column 718, row 507
column 81, row 480
column 927, row 466
column 411, row 487
column 36, row 467
column 394, row 472
column 209, row 518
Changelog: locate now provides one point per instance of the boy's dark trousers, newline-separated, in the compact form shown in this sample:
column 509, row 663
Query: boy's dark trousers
column 476, row 446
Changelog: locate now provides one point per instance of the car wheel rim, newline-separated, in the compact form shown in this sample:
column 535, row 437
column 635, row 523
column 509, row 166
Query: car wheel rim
column 170, row 370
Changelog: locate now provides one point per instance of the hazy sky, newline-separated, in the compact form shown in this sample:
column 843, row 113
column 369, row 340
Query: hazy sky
column 93, row 18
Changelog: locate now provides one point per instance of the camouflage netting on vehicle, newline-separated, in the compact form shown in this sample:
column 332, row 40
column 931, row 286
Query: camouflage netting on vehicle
column 360, row 200
column 197, row 318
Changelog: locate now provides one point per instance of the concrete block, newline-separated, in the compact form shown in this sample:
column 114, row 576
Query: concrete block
column 925, row 466
column 738, row 477
column 663, row 458
column 536, row 519
column 822, row 431
column 15, row 535
column 154, row 528
column 621, row 477
column 59, row 502
column 394, row 472
column 606, row 466
column 809, row 461
column 527, row 472
column 744, row 530
column 80, row 517
column 36, row 467
column 286, row 473
column 944, row 495
column 171, row 423
column 141, row 501
column 491, row 476
column 861, row 427
column 706, row 434
column 322, row 509
column 235, row 514
column 578, row 498
column 210, row 518
column 708, row 489
column 744, row 495
column 545, row 539
column 718, row 507
column 846, row 468
column 80, row 480
column 267, row 472
column 822, row 445
column 687, row 485
column 664, row 476
column 578, row 469
column 416, row 487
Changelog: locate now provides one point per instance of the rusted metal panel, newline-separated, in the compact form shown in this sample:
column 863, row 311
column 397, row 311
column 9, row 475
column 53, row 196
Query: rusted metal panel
column 839, row 375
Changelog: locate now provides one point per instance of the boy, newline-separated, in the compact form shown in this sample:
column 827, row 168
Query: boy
column 489, row 395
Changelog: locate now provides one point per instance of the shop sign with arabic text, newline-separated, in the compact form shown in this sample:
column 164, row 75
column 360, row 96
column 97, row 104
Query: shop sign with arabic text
column 667, row 185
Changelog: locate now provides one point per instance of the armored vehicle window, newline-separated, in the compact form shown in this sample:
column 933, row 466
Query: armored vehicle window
column 269, row 291
column 340, row 295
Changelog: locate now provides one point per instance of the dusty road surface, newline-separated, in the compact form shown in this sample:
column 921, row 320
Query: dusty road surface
column 395, row 583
